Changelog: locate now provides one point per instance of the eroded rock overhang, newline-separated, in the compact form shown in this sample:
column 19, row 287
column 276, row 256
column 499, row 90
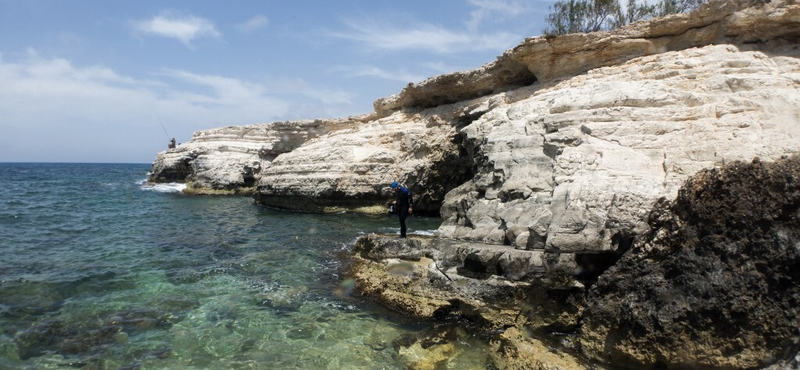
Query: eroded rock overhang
column 545, row 59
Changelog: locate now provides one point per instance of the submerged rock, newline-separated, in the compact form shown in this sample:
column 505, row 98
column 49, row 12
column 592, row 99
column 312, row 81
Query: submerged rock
column 86, row 341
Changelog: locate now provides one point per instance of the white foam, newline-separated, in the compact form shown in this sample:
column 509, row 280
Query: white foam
column 424, row 232
column 396, row 230
column 172, row 187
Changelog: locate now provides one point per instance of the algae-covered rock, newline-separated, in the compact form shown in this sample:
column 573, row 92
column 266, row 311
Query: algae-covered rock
column 716, row 284
column 514, row 350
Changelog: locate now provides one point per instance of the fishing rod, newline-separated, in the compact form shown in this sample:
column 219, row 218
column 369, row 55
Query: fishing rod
column 162, row 126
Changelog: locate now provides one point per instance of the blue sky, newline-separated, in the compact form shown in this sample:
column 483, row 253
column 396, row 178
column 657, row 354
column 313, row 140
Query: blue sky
column 88, row 81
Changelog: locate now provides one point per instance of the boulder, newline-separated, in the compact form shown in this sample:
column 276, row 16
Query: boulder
column 715, row 283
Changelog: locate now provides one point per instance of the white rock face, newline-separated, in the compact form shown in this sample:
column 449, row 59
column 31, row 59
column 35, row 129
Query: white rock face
column 576, row 165
column 352, row 169
column 230, row 159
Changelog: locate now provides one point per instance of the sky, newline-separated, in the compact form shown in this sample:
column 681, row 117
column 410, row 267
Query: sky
column 111, row 81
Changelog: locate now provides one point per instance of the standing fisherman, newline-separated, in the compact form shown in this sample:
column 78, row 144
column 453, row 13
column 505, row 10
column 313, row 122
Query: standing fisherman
column 403, row 205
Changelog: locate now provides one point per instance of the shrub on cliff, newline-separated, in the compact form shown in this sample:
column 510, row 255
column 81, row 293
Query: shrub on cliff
column 571, row 16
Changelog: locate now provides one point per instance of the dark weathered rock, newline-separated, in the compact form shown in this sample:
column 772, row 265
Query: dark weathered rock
column 716, row 285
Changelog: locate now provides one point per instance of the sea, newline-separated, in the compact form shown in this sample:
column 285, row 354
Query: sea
column 101, row 270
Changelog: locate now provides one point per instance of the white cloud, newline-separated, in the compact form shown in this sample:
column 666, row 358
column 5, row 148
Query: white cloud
column 234, row 92
column 296, row 86
column 226, row 91
column 401, row 76
column 184, row 28
column 495, row 9
column 253, row 24
column 442, row 68
column 423, row 36
column 94, row 113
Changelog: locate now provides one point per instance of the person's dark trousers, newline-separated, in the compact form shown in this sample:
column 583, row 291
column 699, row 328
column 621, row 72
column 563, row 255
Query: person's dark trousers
column 403, row 216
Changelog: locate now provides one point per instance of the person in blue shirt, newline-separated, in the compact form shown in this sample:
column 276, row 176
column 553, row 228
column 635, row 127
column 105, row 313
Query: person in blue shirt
column 403, row 205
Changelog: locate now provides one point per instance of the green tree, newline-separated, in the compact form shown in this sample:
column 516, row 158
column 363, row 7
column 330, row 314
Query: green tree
column 633, row 12
column 666, row 7
column 570, row 16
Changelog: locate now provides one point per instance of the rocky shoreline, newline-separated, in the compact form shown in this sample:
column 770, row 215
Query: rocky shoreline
column 713, row 285
column 597, row 191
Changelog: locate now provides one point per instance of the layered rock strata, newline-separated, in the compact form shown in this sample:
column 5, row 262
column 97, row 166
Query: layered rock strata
column 352, row 169
column 230, row 159
column 498, row 291
column 566, row 174
column 547, row 59
column 574, row 166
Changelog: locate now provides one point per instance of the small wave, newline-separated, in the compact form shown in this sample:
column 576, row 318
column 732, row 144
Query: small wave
column 172, row 187
column 424, row 232
column 411, row 231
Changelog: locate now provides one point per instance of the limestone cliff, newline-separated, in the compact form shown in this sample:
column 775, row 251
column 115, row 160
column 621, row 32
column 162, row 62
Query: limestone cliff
column 352, row 169
column 230, row 159
column 545, row 166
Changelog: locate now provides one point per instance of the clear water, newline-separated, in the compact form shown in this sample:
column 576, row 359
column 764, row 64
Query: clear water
column 98, row 270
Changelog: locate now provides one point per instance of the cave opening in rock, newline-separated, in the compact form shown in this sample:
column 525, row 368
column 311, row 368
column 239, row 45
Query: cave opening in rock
column 592, row 265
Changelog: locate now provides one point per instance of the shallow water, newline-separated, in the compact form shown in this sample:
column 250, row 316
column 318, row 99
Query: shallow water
column 100, row 270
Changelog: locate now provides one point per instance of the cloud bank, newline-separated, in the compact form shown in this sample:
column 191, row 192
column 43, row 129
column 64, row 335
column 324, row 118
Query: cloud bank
column 415, row 35
column 96, row 107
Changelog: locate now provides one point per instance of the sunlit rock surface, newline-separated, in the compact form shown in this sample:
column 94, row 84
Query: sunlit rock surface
column 546, row 59
column 230, row 159
column 574, row 166
column 352, row 169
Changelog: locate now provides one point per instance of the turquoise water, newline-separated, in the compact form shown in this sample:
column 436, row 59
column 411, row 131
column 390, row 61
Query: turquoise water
column 99, row 270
